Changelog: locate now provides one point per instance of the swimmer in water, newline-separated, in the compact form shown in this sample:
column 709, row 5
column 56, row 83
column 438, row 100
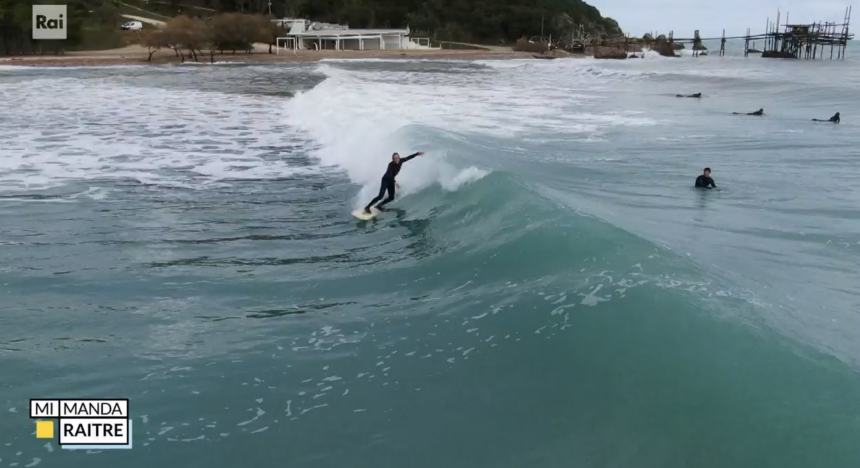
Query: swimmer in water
column 835, row 119
column 705, row 181
column 759, row 112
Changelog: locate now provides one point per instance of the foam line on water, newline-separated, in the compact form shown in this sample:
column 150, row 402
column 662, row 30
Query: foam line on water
column 104, row 129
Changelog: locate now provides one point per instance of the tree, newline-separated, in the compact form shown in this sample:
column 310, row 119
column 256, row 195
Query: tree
column 228, row 32
column 185, row 32
column 107, row 14
column 238, row 31
column 20, row 17
column 153, row 40
column 249, row 31
column 269, row 32
column 563, row 26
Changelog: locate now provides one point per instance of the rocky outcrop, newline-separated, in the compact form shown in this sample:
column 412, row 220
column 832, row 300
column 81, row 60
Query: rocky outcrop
column 664, row 46
column 603, row 52
column 525, row 45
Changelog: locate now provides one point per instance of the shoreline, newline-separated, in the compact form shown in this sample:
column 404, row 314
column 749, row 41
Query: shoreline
column 136, row 55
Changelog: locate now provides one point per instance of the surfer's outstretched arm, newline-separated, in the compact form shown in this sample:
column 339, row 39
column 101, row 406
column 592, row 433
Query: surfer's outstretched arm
column 411, row 156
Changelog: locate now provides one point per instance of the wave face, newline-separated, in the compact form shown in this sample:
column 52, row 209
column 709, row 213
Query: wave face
column 546, row 291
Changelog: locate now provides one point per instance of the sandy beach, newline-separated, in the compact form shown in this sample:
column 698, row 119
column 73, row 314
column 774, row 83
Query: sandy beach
column 137, row 55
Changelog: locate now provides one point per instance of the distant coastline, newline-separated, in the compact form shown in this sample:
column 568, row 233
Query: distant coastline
column 137, row 55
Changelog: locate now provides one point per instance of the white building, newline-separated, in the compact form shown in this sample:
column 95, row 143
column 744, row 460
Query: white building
column 305, row 35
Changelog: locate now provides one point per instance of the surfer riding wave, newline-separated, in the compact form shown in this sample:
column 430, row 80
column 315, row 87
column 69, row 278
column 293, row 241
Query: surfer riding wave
column 388, row 181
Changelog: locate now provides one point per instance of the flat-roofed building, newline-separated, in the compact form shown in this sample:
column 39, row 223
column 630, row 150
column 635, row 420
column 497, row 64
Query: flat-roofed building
column 306, row 35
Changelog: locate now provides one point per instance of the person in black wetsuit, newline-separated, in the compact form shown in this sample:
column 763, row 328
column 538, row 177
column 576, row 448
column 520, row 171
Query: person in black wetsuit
column 388, row 182
column 705, row 180
column 696, row 95
column 835, row 119
column 759, row 112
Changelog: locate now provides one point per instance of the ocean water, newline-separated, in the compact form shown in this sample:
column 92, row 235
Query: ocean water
column 548, row 290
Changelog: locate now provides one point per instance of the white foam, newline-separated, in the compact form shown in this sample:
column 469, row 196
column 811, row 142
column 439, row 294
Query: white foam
column 107, row 128
column 361, row 116
column 104, row 128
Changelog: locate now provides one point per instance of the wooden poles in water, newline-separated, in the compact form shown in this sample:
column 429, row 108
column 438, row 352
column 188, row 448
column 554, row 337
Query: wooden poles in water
column 797, row 41
column 802, row 41
column 807, row 41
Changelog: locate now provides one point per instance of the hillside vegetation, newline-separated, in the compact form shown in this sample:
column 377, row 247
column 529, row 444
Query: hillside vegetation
column 94, row 24
column 488, row 21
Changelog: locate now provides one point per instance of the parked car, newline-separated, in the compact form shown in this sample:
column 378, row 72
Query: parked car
column 131, row 26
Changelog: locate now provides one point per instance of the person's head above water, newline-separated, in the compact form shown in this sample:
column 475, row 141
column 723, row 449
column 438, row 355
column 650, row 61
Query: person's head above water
column 705, row 181
column 395, row 157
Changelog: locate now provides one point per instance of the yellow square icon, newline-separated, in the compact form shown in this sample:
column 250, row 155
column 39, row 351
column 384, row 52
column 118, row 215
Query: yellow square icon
column 44, row 429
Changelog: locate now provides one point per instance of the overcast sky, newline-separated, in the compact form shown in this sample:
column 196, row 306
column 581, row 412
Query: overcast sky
column 710, row 17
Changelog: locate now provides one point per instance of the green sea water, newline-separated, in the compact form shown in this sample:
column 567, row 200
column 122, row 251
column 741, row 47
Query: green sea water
column 548, row 290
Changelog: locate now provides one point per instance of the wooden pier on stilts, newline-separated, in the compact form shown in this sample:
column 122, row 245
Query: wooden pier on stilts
column 810, row 41
column 806, row 41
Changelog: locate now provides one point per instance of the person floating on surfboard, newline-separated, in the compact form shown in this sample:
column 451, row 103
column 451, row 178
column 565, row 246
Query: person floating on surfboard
column 759, row 113
column 835, row 119
column 388, row 182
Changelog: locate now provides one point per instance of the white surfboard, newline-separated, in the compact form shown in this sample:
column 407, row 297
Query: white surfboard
column 365, row 216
